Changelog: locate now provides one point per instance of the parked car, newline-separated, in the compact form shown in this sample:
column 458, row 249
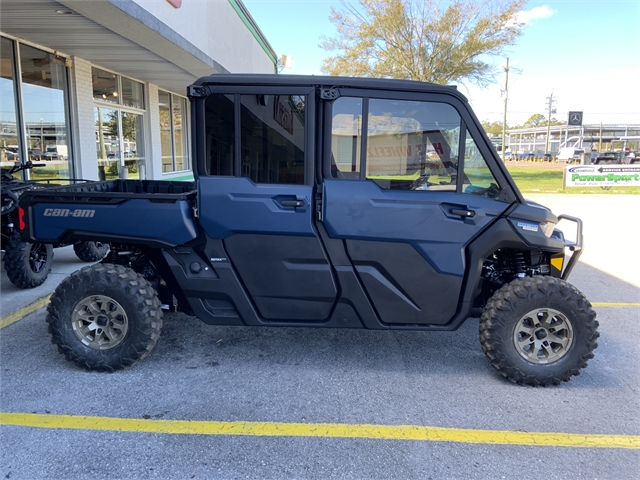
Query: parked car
column 632, row 157
column 608, row 158
column 570, row 154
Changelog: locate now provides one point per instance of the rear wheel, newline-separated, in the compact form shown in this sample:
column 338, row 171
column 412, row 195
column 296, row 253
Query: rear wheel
column 104, row 317
column 91, row 251
column 27, row 264
column 538, row 331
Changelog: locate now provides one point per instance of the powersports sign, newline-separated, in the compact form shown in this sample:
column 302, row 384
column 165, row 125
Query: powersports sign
column 602, row 176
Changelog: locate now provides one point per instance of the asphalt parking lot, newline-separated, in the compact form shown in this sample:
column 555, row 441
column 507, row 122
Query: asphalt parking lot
column 225, row 402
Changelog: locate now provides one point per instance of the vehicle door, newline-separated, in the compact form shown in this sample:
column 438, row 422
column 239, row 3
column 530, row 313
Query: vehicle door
column 407, row 187
column 258, row 197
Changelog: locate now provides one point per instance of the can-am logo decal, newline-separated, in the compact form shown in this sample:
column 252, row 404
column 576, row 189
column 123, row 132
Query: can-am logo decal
column 66, row 212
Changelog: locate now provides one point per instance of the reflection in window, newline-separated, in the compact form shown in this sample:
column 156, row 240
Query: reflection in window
column 105, row 85
column 179, row 109
column 173, row 132
column 478, row 179
column 346, row 137
column 119, row 132
column 412, row 145
column 107, row 143
column 219, row 114
column 44, row 94
column 272, row 138
column 133, row 144
column 9, row 145
column 132, row 93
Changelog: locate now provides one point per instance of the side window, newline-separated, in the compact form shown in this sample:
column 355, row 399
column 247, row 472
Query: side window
column 220, row 135
column 477, row 179
column 412, row 145
column 346, row 137
column 272, row 137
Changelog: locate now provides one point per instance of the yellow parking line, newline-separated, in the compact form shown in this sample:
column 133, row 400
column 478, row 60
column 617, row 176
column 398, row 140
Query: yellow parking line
column 42, row 302
column 23, row 312
column 323, row 430
column 614, row 304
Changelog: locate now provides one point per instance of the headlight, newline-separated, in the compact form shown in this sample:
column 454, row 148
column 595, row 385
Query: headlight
column 547, row 228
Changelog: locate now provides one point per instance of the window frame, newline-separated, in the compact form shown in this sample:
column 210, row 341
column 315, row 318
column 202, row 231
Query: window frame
column 120, row 108
column 237, row 92
column 186, row 129
column 22, row 129
column 466, row 125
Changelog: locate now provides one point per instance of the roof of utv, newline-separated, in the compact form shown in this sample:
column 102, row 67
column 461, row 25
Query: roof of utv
column 272, row 79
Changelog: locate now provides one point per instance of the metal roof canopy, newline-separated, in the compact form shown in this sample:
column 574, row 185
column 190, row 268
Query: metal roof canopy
column 117, row 35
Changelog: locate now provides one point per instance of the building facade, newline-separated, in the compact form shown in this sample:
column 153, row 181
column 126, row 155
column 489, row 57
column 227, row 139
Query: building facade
column 589, row 137
column 97, row 89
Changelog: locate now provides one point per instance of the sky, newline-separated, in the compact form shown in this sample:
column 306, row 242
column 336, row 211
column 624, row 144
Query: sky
column 584, row 52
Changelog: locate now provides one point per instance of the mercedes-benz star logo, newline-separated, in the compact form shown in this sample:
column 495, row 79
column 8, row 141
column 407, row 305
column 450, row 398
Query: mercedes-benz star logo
column 575, row 118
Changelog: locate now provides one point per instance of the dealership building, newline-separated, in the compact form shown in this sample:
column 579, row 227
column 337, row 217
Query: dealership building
column 97, row 89
column 588, row 137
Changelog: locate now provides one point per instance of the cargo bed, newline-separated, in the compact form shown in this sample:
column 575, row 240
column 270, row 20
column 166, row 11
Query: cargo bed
column 151, row 212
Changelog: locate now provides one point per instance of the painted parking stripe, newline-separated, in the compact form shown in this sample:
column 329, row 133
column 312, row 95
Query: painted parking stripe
column 42, row 302
column 23, row 312
column 322, row 430
column 614, row 304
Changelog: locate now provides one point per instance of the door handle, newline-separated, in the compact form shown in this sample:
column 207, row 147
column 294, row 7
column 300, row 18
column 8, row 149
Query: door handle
column 292, row 203
column 463, row 213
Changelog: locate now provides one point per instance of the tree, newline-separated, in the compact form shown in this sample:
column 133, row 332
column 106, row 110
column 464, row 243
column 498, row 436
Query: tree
column 555, row 121
column 535, row 120
column 421, row 40
column 493, row 129
column 539, row 120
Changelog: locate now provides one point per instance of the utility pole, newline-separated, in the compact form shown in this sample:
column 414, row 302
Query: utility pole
column 504, row 118
column 551, row 109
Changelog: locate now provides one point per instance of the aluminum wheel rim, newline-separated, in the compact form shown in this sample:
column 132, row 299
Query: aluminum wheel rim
column 543, row 336
column 99, row 322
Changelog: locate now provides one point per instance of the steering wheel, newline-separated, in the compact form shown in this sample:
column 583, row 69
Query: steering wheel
column 491, row 191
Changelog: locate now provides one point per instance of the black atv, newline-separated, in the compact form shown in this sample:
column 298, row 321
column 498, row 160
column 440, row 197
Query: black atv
column 28, row 264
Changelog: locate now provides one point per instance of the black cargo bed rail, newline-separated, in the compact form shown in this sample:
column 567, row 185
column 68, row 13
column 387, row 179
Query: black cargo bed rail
column 112, row 191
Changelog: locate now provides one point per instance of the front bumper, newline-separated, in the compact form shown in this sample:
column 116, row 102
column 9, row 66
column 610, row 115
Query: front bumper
column 575, row 247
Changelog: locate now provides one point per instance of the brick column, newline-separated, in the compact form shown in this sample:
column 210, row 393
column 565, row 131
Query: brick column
column 84, row 130
column 154, row 145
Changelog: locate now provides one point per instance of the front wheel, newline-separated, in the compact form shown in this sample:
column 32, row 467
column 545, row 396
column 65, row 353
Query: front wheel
column 27, row 264
column 104, row 317
column 538, row 331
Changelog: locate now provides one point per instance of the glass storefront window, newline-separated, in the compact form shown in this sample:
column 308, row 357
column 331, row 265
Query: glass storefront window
column 132, row 93
column 44, row 99
column 9, row 145
column 179, row 136
column 105, row 85
column 173, row 132
column 107, row 143
column 133, row 143
column 119, row 132
column 164, row 101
